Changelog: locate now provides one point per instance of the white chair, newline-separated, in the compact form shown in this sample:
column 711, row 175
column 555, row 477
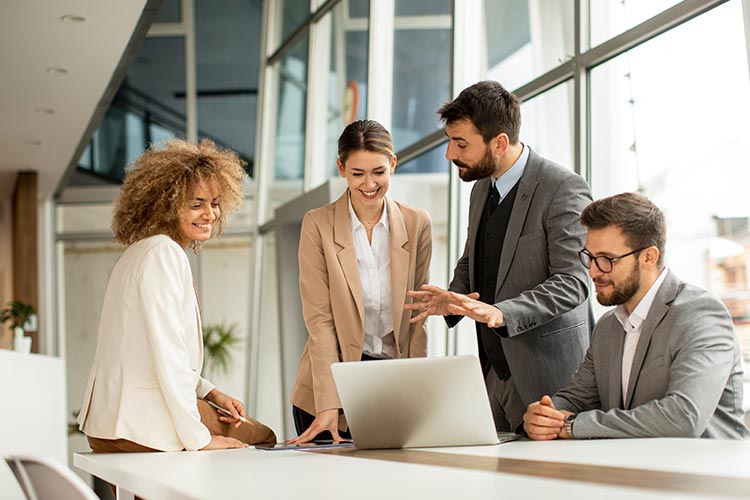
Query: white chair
column 43, row 479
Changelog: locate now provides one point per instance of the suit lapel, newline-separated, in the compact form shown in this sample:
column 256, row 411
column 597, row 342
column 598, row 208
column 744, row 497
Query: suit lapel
column 347, row 256
column 399, row 264
column 615, row 341
column 526, row 187
column 659, row 309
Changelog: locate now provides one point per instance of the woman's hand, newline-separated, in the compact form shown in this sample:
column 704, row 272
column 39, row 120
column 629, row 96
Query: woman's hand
column 326, row 420
column 234, row 406
column 223, row 443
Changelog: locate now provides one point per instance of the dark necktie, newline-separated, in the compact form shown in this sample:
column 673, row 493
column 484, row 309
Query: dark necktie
column 494, row 199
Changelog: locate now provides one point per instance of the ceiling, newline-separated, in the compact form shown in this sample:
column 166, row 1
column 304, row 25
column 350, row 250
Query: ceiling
column 45, row 115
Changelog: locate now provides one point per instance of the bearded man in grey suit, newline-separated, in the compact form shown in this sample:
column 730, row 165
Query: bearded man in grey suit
column 665, row 362
column 519, row 278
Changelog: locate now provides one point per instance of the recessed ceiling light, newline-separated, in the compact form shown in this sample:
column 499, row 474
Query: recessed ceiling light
column 72, row 18
column 45, row 111
column 33, row 142
column 53, row 70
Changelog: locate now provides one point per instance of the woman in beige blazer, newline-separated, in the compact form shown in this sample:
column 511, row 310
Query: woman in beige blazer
column 145, row 391
column 357, row 256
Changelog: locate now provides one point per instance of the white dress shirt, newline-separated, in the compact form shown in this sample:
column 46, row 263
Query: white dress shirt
column 510, row 178
column 374, row 264
column 632, row 324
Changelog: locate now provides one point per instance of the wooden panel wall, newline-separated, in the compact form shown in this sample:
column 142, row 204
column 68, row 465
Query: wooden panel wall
column 6, row 267
column 25, row 245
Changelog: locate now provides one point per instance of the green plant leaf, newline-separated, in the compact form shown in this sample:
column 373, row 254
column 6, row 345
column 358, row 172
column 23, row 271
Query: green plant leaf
column 218, row 341
column 16, row 312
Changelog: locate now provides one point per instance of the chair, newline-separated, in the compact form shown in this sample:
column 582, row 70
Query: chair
column 43, row 479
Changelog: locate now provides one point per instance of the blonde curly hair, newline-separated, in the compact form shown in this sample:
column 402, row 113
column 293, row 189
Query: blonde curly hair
column 159, row 183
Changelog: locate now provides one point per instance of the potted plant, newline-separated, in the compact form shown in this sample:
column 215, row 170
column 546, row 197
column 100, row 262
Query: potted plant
column 218, row 340
column 18, row 313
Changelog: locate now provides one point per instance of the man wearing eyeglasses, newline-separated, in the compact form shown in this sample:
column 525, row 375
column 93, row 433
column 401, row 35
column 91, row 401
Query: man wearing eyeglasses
column 664, row 362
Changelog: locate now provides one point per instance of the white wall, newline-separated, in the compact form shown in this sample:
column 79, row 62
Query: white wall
column 33, row 421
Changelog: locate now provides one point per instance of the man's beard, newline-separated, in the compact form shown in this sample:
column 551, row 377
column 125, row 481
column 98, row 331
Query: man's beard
column 483, row 168
column 623, row 292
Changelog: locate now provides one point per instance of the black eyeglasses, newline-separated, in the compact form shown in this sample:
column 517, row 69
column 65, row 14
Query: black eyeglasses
column 605, row 264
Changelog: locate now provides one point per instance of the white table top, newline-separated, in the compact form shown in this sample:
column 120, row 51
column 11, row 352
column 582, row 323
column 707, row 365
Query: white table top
column 711, row 457
column 284, row 474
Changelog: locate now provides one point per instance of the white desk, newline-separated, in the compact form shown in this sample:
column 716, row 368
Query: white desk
column 521, row 469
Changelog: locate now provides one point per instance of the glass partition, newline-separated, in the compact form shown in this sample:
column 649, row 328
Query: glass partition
column 347, row 77
column 547, row 124
column 292, row 13
column 227, row 46
column 148, row 107
column 429, row 191
column 422, row 49
column 609, row 18
column 526, row 38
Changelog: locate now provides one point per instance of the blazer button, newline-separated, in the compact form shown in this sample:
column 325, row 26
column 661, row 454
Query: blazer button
column 518, row 328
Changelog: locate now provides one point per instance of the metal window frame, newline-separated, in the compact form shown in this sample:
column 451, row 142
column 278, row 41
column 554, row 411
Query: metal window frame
column 465, row 70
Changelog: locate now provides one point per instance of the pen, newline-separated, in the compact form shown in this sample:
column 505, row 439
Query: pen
column 224, row 410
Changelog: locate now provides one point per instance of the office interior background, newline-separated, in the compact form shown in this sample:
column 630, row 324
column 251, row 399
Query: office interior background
column 634, row 95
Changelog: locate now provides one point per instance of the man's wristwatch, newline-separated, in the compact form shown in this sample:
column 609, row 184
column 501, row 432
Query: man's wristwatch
column 569, row 425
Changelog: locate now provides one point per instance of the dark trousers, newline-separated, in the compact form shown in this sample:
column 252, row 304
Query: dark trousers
column 303, row 420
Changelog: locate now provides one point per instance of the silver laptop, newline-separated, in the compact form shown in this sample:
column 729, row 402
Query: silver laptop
column 415, row 403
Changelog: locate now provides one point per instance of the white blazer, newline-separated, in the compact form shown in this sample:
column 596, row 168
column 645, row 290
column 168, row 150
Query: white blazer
column 146, row 378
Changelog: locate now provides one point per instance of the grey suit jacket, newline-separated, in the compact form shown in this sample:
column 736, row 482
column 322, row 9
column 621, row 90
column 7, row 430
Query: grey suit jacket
column 686, row 379
column 542, row 287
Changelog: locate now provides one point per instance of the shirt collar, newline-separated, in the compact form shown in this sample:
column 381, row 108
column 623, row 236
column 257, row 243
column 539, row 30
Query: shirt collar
column 505, row 182
column 638, row 316
column 356, row 223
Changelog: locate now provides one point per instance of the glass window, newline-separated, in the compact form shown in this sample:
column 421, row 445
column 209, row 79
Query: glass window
column 422, row 8
column 169, row 12
column 421, row 83
column 678, row 133
column 431, row 161
column 429, row 192
column 547, row 124
column 608, row 18
column 149, row 107
column 290, row 126
column 347, row 79
column 155, row 83
column 227, row 42
column 357, row 8
column 118, row 141
column 292, row 13
column 524, row 40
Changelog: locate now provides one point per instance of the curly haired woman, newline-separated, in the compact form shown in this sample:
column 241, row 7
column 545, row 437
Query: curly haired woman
column 145, row 392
